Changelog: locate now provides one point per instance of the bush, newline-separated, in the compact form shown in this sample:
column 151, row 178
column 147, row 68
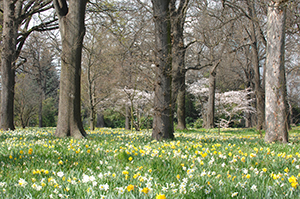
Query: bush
column 50, row 112
column 113, row 119
column 198, row 123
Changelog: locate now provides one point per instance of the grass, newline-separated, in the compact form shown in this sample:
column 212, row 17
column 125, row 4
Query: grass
column 114, row 163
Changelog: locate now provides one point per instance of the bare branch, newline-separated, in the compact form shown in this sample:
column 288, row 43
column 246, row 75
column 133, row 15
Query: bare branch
column 241, row 46
column 189, row 44
column 197, row 67
column 46, row 26
column 215, row 66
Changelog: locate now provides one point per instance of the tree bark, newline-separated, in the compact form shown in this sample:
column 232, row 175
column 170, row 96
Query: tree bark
column 181, row 105
column 92, row 118
column 91, row 93
column 178, row 59
column 41, row 107
column 163, row 114
column 71, row 24
column 7, row 66
column 275, row 85
column 210, row 123
column 258, row 89
column 210, row 114
column 127, row 117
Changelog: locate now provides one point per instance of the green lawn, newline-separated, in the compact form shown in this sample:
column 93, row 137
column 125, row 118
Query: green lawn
column 114, row 163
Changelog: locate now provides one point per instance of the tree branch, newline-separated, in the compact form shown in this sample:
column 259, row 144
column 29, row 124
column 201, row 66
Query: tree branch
column 215, row 66
column 40, row 28
column 241, row 46
column 197, row 67
column 192, row 42
column 61, row 7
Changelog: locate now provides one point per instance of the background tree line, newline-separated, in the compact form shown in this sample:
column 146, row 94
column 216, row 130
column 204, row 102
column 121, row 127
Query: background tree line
column 136, row 75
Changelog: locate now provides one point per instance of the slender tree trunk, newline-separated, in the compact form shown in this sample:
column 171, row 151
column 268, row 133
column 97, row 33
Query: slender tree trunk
column 71, row 24
column 275, row 85
column 92, row 119
column 7, row 66
column 40, row 105
column 181, row 105
column 211, row 101
column 210, row 117
column 127, row 117
column 163, row 114
column 259, row 91
column 91, row 93
column 248, row 122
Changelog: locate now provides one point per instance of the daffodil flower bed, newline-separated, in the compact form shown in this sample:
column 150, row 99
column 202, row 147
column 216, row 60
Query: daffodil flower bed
column 115, row 163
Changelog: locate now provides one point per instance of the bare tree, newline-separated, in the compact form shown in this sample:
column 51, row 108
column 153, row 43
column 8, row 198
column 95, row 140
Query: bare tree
column 71, row 24
column 17, row 15
column 26, row 105
column 275, row 82
column 40, row 68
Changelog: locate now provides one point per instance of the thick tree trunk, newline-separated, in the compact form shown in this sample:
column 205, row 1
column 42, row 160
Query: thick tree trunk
column 275, row 85
column 178, row 59
column 71, row 24
column 178, row 71
column 163, row 114
column 259, row 91
column 7, row 66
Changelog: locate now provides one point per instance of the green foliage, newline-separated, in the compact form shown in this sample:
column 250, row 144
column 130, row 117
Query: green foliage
column 198, row 123
column 50, row 112
column 190, row 108
column 113, row 119
column 146, row 122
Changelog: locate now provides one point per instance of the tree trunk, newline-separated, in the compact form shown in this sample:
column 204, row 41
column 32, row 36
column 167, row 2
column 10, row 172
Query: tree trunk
column 178, row 59
column 181, row 105
column 163, row 114
column 40, row 106
column 7, row 69
column 210, row 117
column 127, row 118
column 275, row 85
column 92, row 120
column 211, row 101
column 258, row 90
column 71, row 24
column 91, row 93
column 249, row 115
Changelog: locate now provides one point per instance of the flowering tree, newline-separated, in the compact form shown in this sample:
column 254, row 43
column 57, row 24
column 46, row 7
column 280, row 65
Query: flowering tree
column 231, row 105
column 200, row 90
